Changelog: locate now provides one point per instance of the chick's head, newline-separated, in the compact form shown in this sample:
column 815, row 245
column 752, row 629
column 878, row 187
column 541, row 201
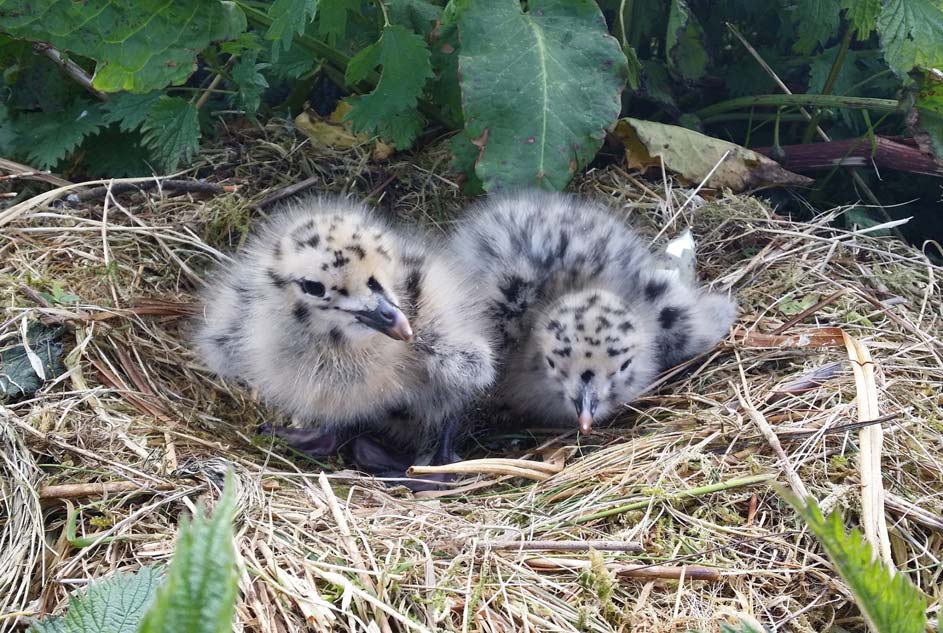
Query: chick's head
column 593, row 353
column 339, row 272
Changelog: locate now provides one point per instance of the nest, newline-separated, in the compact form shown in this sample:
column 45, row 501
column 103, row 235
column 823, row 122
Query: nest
column 663, row 521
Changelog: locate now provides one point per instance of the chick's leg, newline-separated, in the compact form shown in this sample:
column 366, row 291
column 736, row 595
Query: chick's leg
column 312, row 442
column 382, row 461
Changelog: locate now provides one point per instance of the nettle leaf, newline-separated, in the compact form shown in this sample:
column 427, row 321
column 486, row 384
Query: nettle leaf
column 818, row 21
column 332, row 18
column 863, row 15
column 111, row 605
column 539, row 88
column 172, row 131
column 684, row 42
column 199, row 594
column 139, row 45
column 48, row 137
column 390, row 110
column 129, row 110
column 289, row 17
column 891, row 604
column 911, row 32
column 249, row 81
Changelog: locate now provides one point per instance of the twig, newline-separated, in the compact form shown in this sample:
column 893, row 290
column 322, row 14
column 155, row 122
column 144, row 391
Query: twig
column 624, row 570
column 798, row 488
column 684, row 494
column 183, row 186
column 832, row 298
column 19, row 170
column 37, row 298
column 286, row 192
column 538, row 471
column 564, row 546
column 70, row 491
column 70, row 68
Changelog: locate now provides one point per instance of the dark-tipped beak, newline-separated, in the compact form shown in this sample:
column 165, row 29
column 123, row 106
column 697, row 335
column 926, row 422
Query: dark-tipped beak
column 585, row 409
column 386, row 318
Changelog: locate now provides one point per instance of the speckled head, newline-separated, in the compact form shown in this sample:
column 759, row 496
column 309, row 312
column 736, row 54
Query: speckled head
column 338, row 269
column 593, row 353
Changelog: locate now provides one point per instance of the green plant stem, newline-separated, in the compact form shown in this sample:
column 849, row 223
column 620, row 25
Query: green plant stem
column 330, row 54
column 746, row 116
column 685, row 494
column 830, row 81
column 819, row 101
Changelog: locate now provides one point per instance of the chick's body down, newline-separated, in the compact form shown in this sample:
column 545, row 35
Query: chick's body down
column 315, row 356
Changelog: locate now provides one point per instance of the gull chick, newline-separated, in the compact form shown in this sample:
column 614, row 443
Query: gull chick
column 353, row 328
column 585, row 319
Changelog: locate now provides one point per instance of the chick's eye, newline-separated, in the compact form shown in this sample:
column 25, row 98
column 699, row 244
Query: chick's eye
column 374, row 285
column 625, row 365
column 550, row 362
column 314, row 288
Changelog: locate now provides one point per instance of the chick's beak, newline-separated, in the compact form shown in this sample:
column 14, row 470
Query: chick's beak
column 586, row 409
column 386, row 318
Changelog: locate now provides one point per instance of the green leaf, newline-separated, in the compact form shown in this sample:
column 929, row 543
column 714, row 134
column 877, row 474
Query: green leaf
column 863, row 15
column 332, row 18
column 48, row 137
column 172, row 131
column 818, row 21
column 390, row 110
column 891, row 604
column 539, row 88
column 199, row 594
column 116, row 154
column 129, row 110
column 684, row 42
column 139, row 45
column 250, row 82
column 289, row 17
column 112, row 605
column 911, row 32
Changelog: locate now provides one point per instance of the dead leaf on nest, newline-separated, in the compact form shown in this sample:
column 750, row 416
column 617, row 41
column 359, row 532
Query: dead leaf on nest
column 692, row 155
column 334, row 132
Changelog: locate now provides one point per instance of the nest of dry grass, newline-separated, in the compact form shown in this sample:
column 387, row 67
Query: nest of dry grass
column 665, row 521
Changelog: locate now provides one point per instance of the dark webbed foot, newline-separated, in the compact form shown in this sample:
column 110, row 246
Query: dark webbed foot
column 370, row 456
column 314, row 443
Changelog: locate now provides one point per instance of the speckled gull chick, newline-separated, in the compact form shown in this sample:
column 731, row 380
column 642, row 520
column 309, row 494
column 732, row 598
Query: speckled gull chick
column 584, row 315
column 354, row 328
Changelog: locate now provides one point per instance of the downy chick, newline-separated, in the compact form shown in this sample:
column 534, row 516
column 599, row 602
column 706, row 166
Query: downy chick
column 351, row 327
column 585, row 319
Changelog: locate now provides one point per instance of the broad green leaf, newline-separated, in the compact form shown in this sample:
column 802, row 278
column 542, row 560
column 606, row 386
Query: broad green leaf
column 863, row 15
column 289, row 17
column 172, row 131
column 911, row 32
column 818, row 21
column 199, row 593
column 928, row 107
column 18, row 377
column 250, row 82
column 139, row 45
column 390, row 110
column 539, row 88
column 129, row 110
column 111, row 605
column 464, row 156
column 116, row 154
column 891, row 604
column 684, row 42
column 48, row 137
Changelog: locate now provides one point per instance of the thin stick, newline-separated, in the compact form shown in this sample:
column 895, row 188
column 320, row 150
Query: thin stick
column 517, row 467
column 70, row 68
column 624, row 570
column 183, row 186
column 70, row 491
column 684, row 494
column 564, row 546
